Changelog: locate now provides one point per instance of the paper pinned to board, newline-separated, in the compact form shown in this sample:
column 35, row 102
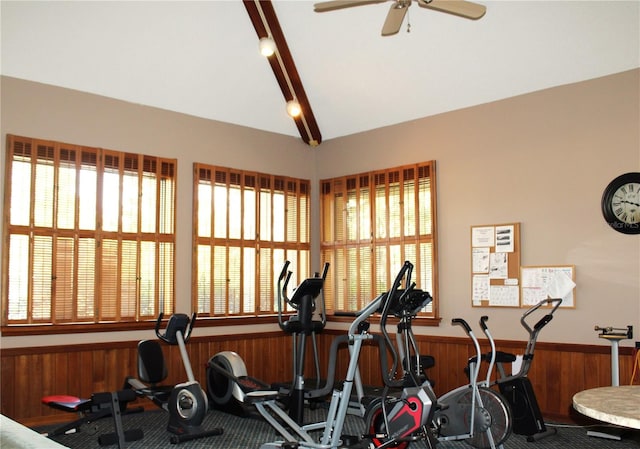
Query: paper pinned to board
column 542, row 282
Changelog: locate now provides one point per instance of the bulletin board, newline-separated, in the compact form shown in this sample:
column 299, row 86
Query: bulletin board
column 495, row 265
column 549, row 281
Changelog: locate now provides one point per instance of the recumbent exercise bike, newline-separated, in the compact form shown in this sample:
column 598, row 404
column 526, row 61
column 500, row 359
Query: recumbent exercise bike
column 186, row 402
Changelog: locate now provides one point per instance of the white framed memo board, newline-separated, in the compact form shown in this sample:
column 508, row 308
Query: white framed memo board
column 548, row 281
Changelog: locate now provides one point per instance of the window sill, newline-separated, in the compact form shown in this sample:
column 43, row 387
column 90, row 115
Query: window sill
column 79, row 328
column 123, row 326
column 420, row 321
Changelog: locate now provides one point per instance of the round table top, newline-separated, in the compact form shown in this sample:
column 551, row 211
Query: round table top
column 615, row 405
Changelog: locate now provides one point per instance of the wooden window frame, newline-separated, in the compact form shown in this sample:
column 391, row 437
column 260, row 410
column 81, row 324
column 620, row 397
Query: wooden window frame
column 67, row 187
column 245, row 225
column 360, row 229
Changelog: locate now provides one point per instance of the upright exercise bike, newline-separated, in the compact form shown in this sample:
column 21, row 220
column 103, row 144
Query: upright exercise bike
column 187, row 403
column 516, row 387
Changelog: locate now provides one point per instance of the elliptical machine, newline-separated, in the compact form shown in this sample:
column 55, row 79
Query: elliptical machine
column 187, row 403
column 307, row 299
column 228, row 383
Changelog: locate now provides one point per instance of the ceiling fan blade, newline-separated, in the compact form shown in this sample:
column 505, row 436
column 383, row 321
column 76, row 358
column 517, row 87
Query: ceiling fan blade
column 394, row 19
column 332, row 5
column 460, row 8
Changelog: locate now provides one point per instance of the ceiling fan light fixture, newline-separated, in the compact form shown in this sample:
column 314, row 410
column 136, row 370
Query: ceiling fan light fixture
column 267, row 46
column 293, row 108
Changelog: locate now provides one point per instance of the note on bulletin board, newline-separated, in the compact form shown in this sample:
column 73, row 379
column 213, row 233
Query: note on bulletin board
column 495, row 265
column 554, row 281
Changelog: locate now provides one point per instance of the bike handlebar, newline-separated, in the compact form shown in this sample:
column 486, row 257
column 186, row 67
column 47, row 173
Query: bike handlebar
column 158, row 322
column 483, row 322
column 545, row 319
column 178, row 322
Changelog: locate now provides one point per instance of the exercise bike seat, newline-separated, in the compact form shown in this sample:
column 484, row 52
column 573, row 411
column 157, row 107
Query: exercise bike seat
column 501, row 357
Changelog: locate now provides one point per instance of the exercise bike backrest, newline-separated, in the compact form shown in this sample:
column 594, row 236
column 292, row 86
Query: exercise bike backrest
column 178, row 322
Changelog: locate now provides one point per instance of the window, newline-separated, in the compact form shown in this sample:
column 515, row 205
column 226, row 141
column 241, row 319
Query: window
column 246, row 225
column 90, row 234
column 372, row 223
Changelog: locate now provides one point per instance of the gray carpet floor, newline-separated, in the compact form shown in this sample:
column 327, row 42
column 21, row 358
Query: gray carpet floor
column 250, row 433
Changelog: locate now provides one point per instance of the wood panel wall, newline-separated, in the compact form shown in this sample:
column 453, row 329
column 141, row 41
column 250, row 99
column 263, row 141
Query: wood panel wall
column 557, row 373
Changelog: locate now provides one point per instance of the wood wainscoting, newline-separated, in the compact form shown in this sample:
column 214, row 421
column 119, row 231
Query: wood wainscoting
column 559, row 370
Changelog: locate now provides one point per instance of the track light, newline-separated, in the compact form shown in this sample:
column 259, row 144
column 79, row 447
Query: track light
column 267, row 46
column 293, row 108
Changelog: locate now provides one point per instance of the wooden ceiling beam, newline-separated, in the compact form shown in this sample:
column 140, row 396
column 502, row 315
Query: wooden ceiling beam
column 266, row 24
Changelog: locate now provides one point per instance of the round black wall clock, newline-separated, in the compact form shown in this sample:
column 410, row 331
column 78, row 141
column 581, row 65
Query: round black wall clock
column 621, row 203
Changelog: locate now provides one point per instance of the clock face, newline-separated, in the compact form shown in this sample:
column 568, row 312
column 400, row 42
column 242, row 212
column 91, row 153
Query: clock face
column 626, row 203
column 621, row 203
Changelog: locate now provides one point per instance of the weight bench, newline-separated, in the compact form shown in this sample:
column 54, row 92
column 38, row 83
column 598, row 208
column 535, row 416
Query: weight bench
column 101, row 405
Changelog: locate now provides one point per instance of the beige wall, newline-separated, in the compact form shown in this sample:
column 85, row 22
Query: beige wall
column 541, row 159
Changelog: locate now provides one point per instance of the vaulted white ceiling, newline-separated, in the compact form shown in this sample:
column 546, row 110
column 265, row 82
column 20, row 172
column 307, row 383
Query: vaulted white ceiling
column 201, row 58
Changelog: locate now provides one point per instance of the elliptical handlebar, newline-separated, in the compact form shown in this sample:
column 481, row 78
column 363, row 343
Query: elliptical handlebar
column 283, row 273
column 286, row 275
column 387, row 300
column 282, row 289
column 389, row 297
column 380, row 303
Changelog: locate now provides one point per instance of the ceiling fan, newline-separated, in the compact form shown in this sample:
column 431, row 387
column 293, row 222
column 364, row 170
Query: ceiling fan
column 399, row 8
